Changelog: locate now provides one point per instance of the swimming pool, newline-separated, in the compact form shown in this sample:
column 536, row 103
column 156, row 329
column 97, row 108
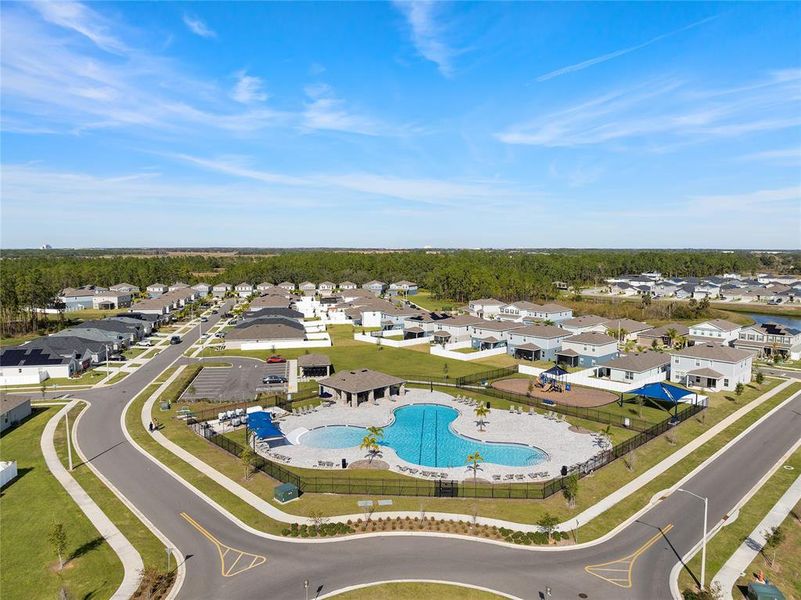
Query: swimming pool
column 421, row 434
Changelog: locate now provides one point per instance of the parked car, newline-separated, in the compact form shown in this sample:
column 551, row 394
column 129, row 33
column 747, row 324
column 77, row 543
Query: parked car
column 219, row 334
column 176, row 339
column 214, row 311
column 204, row 319
column 273, row 379
column 145, row 343
column 275, row 359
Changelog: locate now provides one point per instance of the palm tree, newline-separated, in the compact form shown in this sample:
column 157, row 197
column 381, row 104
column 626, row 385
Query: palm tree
column 370, row 444
column 376, row 432
column 672, row 335
column 474, row 459
column 481, row 411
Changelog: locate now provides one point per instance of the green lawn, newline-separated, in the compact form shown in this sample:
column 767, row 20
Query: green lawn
column 786, row 572
column 728, row 539
column 117, row 378
column 347, row 354
column 424, row 300
column 148, row 545
column 16, row 341
column 133, row 352
column 28, row 508
column 417, row 591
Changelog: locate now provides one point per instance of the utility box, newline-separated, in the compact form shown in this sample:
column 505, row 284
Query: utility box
column 286, row 492
column 763, row 591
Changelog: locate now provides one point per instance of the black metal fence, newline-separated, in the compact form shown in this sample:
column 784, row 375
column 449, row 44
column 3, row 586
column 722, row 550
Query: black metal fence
column 408, row 486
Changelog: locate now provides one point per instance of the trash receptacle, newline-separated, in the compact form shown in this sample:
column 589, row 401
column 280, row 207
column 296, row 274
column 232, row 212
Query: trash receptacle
column 286, row 492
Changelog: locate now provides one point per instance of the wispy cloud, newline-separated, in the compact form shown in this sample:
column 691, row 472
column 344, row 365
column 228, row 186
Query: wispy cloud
column 790, row 157
column 771, row 199
column 248, row 88
column 197, row 26
column 427, row 33
column 661, row 112
column 324, row 110
column 81, row 19
column 617, row 53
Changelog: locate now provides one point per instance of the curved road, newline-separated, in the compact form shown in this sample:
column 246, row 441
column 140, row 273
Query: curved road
column 641, row 556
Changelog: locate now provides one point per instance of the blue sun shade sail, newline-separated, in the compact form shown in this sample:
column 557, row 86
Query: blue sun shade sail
column 555, row 371
column 261, row 423
column 661, row 391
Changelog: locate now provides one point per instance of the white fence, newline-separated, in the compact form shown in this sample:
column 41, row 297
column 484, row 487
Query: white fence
column 8, row 471
column 586, row 379
column 466, row 356
column 389, row 342
column 315, row 340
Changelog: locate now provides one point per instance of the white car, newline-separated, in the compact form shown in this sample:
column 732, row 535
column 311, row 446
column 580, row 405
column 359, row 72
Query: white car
column 145, row 343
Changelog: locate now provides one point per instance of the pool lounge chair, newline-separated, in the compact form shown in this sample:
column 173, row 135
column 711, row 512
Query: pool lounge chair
column 496, row 477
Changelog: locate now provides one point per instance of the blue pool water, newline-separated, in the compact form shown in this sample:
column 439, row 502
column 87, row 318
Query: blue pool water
column 421, row 434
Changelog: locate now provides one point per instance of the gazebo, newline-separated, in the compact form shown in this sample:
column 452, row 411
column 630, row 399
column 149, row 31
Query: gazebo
column 314, row 365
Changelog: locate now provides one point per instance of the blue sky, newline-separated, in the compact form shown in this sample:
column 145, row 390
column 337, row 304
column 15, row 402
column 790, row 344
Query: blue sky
column 401, row 124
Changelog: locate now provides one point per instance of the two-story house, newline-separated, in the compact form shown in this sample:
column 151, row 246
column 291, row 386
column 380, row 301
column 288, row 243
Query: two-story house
column 485, row 308
column 244, row 289
column 587, row 349
column 536, row 341
column 719, row 331
column 491, row 334
column 769, row 339
column 711, row 366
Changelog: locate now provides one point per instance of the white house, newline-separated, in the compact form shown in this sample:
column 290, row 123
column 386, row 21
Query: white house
column 584, row 323
column 719, row 331
column 347, row 285
column 375, row 286
column 626, row 329
column 587, row 349
column 711, row 366
column 243, row 290
column 178, row 285
column 307, row 288
column 402, row 288
column 202, row 289
column 155, row 290
column 536, row 342
column 553, row 312
column 78, row 298
column 110, row 300
column 486, row 308
column 263, row 286
column 219, row 290
column 454, row 329
column 124, row 287
column 326, row 287
column 706, row 290
column 517, row 310
column 639, row 368
column 287, row 285
column 19, row 365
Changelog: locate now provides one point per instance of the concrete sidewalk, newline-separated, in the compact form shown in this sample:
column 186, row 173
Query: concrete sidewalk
column 738, row 562
column 128, row 555
column 583, row 518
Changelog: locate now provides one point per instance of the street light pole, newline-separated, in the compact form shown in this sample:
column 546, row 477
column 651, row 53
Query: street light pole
column 306, row 587
column 703, row 541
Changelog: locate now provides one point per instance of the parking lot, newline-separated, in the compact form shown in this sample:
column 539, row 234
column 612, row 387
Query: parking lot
column 242, row 381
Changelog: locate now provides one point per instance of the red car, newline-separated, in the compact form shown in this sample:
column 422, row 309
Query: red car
column 276, row 359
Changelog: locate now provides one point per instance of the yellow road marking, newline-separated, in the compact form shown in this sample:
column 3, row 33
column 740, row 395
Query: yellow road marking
column 625, row 564
column 224, row 550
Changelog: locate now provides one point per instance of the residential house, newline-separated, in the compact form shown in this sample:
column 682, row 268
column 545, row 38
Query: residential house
column 125, row 287
column 85, row 352
column 626, row 329
column 326, row 288
column 486, row 308
column 706, row 290
column 244, row 289
column 307, row 288
column 156, row 289
column 420, row 325
column 347, row 285
column 270, row 330
column 638, row 368
column 269, row 301
column 131, row 332
column 536, row 341
column 661, row 336
column 584, row 323
column 517, row 310
column 283, row 311
column 622, row 288
column 719, row 331
column 152, row 306
column 402, row 288
column 664, row 290
column 711, row 366
column 685, row 291
column 115, row 341
column 556, row 313
column 110, row 300
column 145, row 326
column 454, row 329
column 13, row 410
column 202, row 289
column 587, row 349
column 769, row 339
column 263, row 287
column 78, row 298
column 287, row 285
column 20, row 365
column 220, row 290
column 491, row 334
column 375, row 286
column 178, row 285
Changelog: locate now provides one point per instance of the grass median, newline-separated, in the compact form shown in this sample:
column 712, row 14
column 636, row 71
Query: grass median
column 720, row 548
column 29, row 507
column 417, row 591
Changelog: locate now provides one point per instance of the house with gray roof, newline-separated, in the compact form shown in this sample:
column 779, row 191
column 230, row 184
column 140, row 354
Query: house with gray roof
column 402, row 288
column 769, row 339
column 587, row 349
column 352, row 388
column 719, row 331
column 154, row 290
column 220, row 290
column 486, row 335
column 202, row 289
column 20, row 365
column 375, row 287
column 536, row 341
column 124, row 287
column 267, row 331
column 244, row 289
column 711, row 366
column 584, row 323
column 637, row 368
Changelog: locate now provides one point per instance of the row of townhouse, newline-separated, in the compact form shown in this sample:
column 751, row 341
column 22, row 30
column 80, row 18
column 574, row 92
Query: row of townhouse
column 167, row 302
column 74, row 349
column 97, row 297
column 324, row 288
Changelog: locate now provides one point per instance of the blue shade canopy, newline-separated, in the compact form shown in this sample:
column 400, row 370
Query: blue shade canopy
column 262, row 424
column 556, row 371
column 661, row 391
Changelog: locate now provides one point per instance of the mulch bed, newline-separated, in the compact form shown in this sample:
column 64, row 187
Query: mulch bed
column 577, row 396
column 376, row 465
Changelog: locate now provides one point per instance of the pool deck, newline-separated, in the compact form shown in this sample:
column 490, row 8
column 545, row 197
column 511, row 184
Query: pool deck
column 562, row 446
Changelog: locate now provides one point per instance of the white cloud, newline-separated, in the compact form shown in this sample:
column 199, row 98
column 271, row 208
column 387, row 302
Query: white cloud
column 197, row 26
column 790, row 157
column 666, row 111
column 617, row 53
column 248, row 88
column 771, row 199
column 82, row 19
column 427, row 33
column 327, row 112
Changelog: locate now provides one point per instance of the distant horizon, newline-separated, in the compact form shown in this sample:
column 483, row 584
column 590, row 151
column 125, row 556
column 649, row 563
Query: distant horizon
column 412, row 248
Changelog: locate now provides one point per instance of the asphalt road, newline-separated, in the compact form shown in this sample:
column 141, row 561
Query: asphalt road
column 643, row 554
